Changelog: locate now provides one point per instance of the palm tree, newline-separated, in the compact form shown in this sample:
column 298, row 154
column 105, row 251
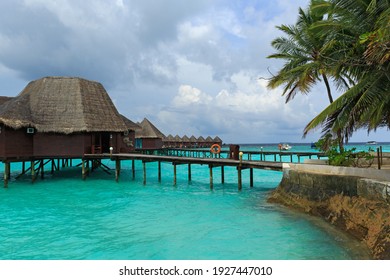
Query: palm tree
column 306, row 52
column 367, row 58
column 302, row 50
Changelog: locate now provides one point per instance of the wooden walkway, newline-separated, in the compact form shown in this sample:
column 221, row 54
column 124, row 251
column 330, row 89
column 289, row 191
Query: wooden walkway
column 176, row 160
column 280, row 156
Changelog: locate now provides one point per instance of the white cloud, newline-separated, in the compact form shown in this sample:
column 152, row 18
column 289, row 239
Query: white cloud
column 190, row 66
column 189, row 96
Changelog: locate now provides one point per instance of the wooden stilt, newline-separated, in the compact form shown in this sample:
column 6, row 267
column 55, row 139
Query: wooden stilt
column 144, row 168
column 174, row 175
column 33, row 171
column 133, row 168
column 239, row 175
column 83, row 169
column 7, row 172
column 211, row 176
column 222, row 174
column 42, row 169
column 189, row 173
column 159, row 171
column 117, row 169
column 23, row 167
column 251, row 176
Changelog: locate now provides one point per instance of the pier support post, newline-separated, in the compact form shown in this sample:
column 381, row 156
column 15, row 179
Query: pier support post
column 211, row 176
column 222, row 174
column 133, row 168
column 189, row 173
column 33, row 171
column 159, row 171
column 42, row 168
column 117, row 169
column 251, row 176
column 83, row 170
column 7, row 173
column 174, row 174
column 239, row 175
column 144, row 169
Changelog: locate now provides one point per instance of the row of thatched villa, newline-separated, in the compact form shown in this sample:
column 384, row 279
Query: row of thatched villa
column 65, row 117
column 190, row 142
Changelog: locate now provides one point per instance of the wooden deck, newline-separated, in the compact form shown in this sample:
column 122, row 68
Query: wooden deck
column 281, row 156
column 176, row 160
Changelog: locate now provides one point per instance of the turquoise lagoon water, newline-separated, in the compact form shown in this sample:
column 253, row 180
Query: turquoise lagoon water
column 64, row 217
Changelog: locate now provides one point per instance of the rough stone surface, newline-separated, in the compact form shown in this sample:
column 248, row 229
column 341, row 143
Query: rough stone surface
column 352, row 204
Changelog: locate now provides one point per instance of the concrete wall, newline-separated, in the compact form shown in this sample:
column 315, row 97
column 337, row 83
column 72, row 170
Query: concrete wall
column 356, row 200
column 323, row 181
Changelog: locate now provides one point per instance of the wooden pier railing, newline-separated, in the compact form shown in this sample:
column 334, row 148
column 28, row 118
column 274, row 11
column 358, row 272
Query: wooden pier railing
column 179, row 160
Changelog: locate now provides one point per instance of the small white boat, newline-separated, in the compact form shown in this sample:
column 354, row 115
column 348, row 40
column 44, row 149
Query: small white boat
column 284, row 147
column 372, row 143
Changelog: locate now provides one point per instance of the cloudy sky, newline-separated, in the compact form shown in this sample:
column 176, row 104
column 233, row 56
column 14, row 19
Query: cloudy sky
column 190, row 67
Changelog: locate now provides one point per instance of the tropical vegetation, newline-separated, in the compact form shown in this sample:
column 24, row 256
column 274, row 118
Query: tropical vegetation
column 348, row 42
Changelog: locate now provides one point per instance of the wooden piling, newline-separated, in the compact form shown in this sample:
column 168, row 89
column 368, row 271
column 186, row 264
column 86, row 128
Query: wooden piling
column 83, row 170
column 251, row 176
column 239, row 176
column 211, row 176
column 33, row 171
column 144, row 171
column 174, row 174
column 159, row 171
column 7, row 172
column 133, row 168
column 189, row 173
column 117, row 169
column 42, row 169
column 222, row 174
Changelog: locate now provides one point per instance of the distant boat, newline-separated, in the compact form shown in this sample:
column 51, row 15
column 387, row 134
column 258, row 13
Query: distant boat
column 372, row 143
column 313, row 146
column 284, row 147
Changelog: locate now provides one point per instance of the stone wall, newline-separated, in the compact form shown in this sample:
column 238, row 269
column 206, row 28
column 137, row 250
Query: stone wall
column 354, row 200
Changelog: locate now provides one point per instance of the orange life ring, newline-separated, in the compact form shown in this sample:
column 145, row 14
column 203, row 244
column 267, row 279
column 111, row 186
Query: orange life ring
column 215, row 149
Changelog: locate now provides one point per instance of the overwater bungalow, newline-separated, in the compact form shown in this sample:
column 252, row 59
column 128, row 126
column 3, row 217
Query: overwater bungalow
column 194, row 141
column 217, row 140
column 169, row 141
column 186, row 141
column 148, row 136
column 201, row 142
column 61, row 117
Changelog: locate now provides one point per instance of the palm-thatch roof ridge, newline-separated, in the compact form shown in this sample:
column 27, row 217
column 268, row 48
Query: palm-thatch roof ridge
column 63, row 105
column 148, row 130
column 130, row 124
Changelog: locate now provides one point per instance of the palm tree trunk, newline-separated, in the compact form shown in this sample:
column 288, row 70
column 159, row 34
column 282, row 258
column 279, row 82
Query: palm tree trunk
column 340, row 137
column 327, row 87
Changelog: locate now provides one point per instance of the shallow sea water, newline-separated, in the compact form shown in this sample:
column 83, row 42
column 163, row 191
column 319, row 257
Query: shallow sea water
column 64, row 217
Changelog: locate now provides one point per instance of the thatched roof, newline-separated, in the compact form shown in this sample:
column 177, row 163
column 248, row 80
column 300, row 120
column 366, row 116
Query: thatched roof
column 193, row 139
column 201, row 139
column 63, row 105
column 130, row 124
column 209, row 139
column 185, row 138
column 217, row 139
column 4, row 99
column 169, row 138
column 148, row 130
